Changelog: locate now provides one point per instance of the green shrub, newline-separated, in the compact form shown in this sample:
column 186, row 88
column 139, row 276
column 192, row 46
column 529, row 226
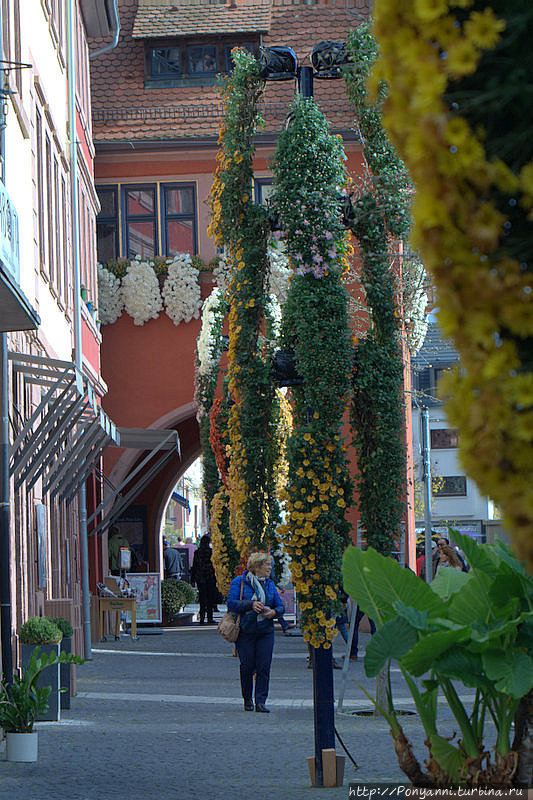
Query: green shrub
column 64, row 626
column 175, row 595
column 40, row 630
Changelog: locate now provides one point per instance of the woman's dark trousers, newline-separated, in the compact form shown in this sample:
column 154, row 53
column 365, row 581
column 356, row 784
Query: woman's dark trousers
column 206, row 595
column 255, row 655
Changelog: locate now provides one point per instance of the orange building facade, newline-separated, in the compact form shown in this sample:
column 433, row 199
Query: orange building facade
column 156, row 117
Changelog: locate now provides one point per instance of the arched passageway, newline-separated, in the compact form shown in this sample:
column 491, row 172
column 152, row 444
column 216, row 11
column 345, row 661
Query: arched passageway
column 150, row 370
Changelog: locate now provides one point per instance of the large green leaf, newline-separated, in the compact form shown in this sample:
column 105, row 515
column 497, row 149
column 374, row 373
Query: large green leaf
column 447, row 756
column 525, row 637
column 427, row 650
column 472, row 601
column 505, row 554
column 449, row 581
column 393, row 640
column 507, row 584
column 476, row 554
column 460, row 664
column 483, row 632
column 418, row 619
column 512, row 671
column 376, row 582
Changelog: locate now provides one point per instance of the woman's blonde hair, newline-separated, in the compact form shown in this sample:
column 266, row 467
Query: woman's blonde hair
column 256, row 559
column 451, row 555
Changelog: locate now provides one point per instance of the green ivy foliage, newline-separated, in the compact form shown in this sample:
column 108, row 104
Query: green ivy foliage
column 377, row 411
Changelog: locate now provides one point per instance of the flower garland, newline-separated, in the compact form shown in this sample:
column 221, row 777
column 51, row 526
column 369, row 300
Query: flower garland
column 110, row 299
column 458, row 112
column 377, row 414
column 216, row 443
column 181, row 290
column 241, row 227
column 134, row 286
column 308, row 175
column 225, row 556
column 140, row 289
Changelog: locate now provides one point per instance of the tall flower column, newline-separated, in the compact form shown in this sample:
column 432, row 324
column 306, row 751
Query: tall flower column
column 241, row 227
column 309, row 173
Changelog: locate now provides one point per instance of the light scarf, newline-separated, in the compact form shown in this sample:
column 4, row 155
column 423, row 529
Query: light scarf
column 257, row 586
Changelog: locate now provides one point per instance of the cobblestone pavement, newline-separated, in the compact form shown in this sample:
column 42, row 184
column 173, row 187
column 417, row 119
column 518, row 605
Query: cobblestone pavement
column 162, row 718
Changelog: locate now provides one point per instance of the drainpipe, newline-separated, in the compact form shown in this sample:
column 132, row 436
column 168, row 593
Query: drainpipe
column 76, row 269
column 5, row 540
column 115, row 27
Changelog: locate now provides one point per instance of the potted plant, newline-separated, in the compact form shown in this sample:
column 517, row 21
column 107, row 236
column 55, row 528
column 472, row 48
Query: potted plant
column 65, row 668
column 24, row 701
column 473, row 628
column 45, row 633
column 175, row 595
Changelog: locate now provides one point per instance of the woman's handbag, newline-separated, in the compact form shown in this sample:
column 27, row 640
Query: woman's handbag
column 229, row 627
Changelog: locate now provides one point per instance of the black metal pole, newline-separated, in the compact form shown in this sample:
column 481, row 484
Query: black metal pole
column 323, row 706
column 5, row 558
column 305, row 81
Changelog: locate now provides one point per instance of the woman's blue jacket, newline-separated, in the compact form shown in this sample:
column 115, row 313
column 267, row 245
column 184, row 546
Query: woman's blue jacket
column 249, row 619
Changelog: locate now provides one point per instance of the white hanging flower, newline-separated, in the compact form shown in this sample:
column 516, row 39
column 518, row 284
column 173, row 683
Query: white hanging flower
column 416, row 321
column 222, row 272
column 140, row 289
column 207, row 340
column 285, row 579
column 279, row 271
column 273, row 308
column 181, row 290
column 110, row 299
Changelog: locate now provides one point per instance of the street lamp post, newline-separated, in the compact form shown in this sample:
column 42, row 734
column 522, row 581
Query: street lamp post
column 280, row 63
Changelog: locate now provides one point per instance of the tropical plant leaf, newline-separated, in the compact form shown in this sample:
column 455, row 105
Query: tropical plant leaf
column 483, row 632
column 460, row 664
column 476, row 555
column 449, row 581
column 472, row 601
column 418, row 619
column 376, row 582
column 393, row 640
column 425, row 702
column 525, row 636
column 426, row 650
column 505, row 554
column 512, row 671
column 507, row 584
column 447, row 756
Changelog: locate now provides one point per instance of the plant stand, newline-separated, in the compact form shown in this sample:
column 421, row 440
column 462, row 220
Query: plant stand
column 48, row 677
column 21, row 746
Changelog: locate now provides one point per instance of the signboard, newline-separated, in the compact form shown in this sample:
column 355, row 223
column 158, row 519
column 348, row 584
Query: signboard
column 472, row 528
column 147, row 588
column 125, row 558
column 9, row 235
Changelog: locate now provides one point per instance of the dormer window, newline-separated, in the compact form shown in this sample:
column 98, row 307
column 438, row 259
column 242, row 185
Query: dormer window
column 192, row 62
column 165, row 62
column 202, row 60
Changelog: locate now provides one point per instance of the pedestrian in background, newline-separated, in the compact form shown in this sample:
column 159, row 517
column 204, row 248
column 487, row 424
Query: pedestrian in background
column 203, row 576
column 259, row 605
column 448, row 558
column 171, row 561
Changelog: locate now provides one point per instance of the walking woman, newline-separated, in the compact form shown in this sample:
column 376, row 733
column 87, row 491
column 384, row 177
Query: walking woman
column 259, row 605
column 203, row 575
